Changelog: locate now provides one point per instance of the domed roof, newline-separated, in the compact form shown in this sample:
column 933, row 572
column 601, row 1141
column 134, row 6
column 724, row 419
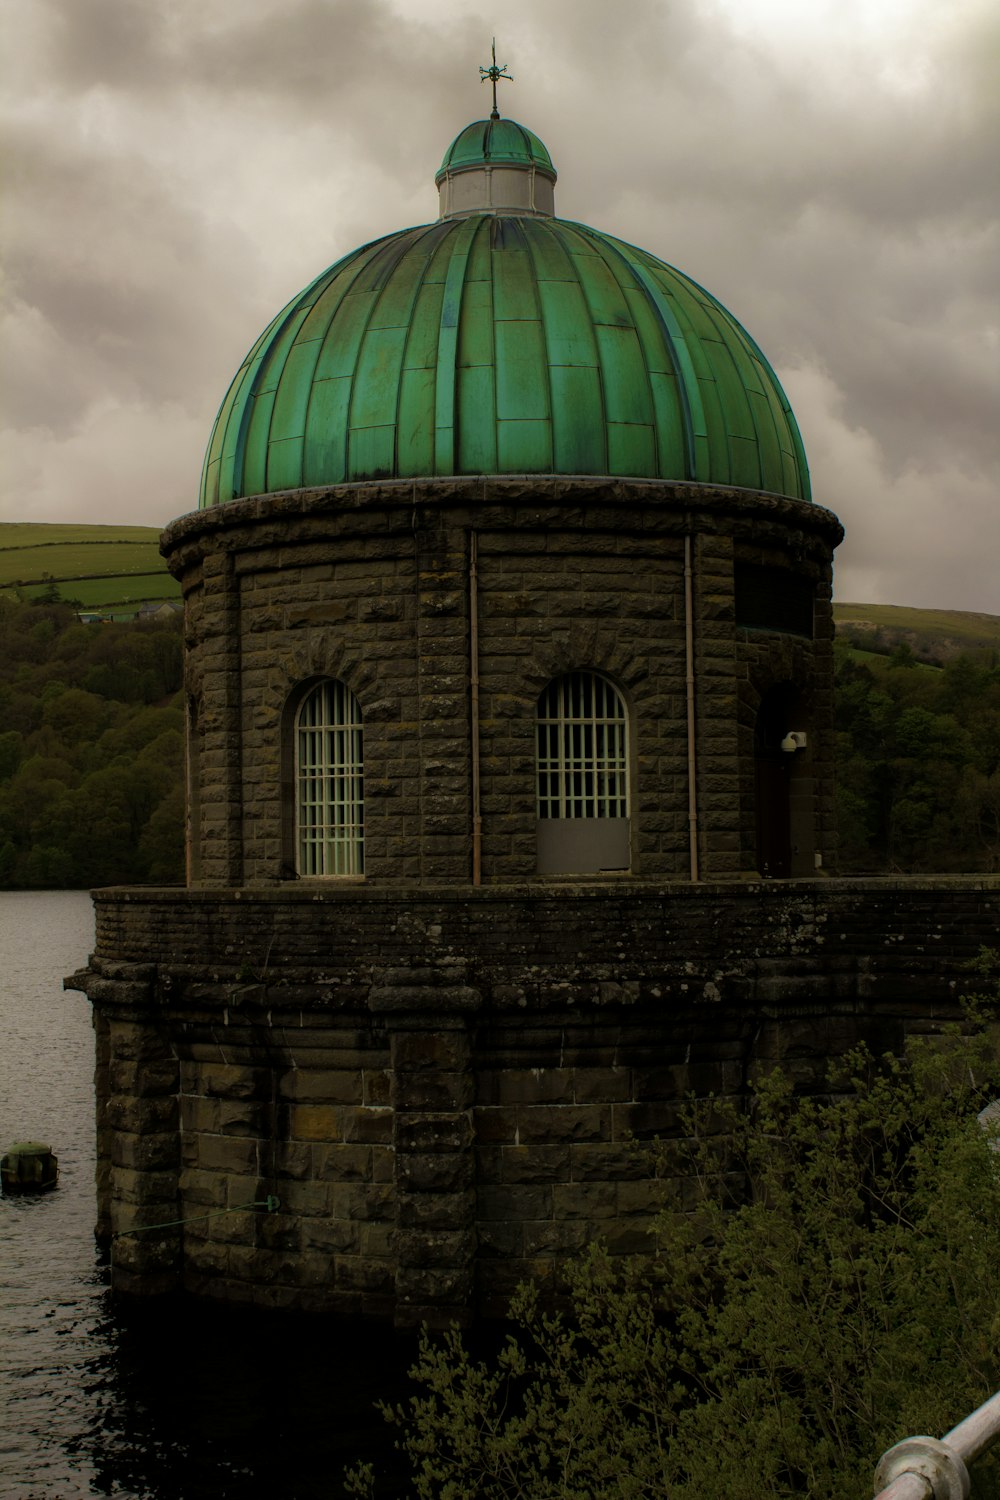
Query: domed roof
column 500, row 342
column 496, row 143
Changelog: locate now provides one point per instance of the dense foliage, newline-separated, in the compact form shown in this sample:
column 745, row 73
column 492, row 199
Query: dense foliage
column 91, row 749
column 835, row 1289
column 918, row 763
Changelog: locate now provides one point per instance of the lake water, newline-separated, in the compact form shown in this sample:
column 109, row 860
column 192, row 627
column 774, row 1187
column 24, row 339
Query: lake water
column 102, row 1396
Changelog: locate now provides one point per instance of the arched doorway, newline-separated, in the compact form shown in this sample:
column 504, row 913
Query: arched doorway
column 783, row 786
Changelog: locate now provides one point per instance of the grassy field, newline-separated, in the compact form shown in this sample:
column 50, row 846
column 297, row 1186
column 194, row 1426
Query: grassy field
column 78, row 560
column 105, row 567
column 48, row 534
column 119, row 594
column 935, row 633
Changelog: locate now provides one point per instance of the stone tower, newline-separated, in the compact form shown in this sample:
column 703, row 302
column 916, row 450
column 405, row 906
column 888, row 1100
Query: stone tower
column 503, row 478
column 509, row 685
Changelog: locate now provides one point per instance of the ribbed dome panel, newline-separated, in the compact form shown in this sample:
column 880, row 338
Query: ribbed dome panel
column 492, row 344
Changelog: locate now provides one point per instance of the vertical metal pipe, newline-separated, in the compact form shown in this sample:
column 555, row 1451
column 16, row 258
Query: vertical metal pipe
column 692, row 744
column 477, row 822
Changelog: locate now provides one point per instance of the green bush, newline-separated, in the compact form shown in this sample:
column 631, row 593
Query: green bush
column 836, row 1288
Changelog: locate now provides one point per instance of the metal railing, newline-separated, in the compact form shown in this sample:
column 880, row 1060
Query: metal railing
column 926, row 1468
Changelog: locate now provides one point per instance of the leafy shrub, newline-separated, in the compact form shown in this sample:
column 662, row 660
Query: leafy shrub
column 836, row 1288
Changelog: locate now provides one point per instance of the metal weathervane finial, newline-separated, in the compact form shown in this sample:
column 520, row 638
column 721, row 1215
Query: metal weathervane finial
column 494, row 74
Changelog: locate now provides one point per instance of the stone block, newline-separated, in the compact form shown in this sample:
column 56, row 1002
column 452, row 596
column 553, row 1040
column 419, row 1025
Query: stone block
column 360, row 1274
column 198, row 1189
column 628, row 1162
column 433, row 1132
column 641, row 1197
column 630, row 1236
column 584, row 1200
column 602, row 1085
column 207, row 1258
column 436, row 1210
column 293, row 1159
column 362, row 1201
column 242, row 1117
column 305, row 1199
column 434, row 1172
column 557, row 1123
column 258, row 1265
column 489, row 1161
column 437, row 1284
column 499, row 1238
column 144, row 1080
column 314, row 1122
column 376, row 1083
column 124, row 1112
column 530, row 1164
column 342, row 1163
column 198, row 1115
column 134, row 1041
column 145, row 1153
column 233, row 1154
column 378, row 1239
column 341, row 1236
column 534, row 1086
column 222, row 1228
column 432, row 1091
column 558, row 1237
column 222, row 1081
column 433, row 1247
column 314, row 1269
column 141, row 1220
column 322, row 1085
column 645, row 1121
column 495, row 1124
column 517, row 1204
column 367, row 1126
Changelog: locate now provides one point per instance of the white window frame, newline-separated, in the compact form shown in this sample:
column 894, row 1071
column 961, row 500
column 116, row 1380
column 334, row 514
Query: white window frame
column 581, row 749
column 329, row 783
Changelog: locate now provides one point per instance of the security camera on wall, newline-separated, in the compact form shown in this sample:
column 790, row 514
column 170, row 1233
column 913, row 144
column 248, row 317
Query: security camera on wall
column 795, row 739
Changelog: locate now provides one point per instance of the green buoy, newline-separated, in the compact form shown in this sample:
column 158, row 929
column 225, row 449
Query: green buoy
column 28, row 1167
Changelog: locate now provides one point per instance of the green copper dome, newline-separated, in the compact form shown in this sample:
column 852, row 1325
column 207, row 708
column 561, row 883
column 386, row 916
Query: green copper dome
column 496, row 143
column 493, row 342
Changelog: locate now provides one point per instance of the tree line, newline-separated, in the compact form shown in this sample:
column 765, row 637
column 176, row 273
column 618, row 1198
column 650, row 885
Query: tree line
column 92, row 754
column 918, row 763
column 91, row 749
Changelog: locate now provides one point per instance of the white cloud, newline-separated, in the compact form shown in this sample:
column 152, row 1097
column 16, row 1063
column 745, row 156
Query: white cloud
column 122, row 462
column 922, row 536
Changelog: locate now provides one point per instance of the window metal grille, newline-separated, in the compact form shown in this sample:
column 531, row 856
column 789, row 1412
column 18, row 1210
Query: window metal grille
column 329, row 775
column 582, row 749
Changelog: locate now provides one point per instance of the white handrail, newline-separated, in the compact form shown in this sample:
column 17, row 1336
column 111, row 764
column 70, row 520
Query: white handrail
column 926, row 1468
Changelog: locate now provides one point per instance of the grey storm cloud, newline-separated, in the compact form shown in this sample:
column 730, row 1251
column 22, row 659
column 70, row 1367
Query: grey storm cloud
column 177, row 172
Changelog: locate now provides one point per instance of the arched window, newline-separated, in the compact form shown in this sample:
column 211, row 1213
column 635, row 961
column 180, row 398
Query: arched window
column 582, row 776
column 329, row 783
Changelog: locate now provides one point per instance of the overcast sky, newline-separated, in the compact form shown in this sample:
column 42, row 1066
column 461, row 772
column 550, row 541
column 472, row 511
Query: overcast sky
column 178, row 169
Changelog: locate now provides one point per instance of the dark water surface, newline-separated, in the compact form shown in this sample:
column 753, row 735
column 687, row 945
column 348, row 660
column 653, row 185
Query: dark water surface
column 99, row 1396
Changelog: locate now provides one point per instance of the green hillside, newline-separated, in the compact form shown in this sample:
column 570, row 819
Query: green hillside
column 934, row 636
column 109, row 569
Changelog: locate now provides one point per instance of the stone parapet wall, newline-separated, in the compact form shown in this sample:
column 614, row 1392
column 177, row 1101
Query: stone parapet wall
column 448, row 1090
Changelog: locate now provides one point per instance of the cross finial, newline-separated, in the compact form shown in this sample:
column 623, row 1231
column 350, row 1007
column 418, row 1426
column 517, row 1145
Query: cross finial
column 494, row 74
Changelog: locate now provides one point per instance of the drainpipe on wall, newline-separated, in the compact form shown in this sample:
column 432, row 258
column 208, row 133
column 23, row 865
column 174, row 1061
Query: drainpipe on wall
column 692, row 757
column 477, row 822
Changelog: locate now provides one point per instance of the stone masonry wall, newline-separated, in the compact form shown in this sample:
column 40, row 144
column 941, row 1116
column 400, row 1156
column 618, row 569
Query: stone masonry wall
column 371, row 584
column 448, row 1090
